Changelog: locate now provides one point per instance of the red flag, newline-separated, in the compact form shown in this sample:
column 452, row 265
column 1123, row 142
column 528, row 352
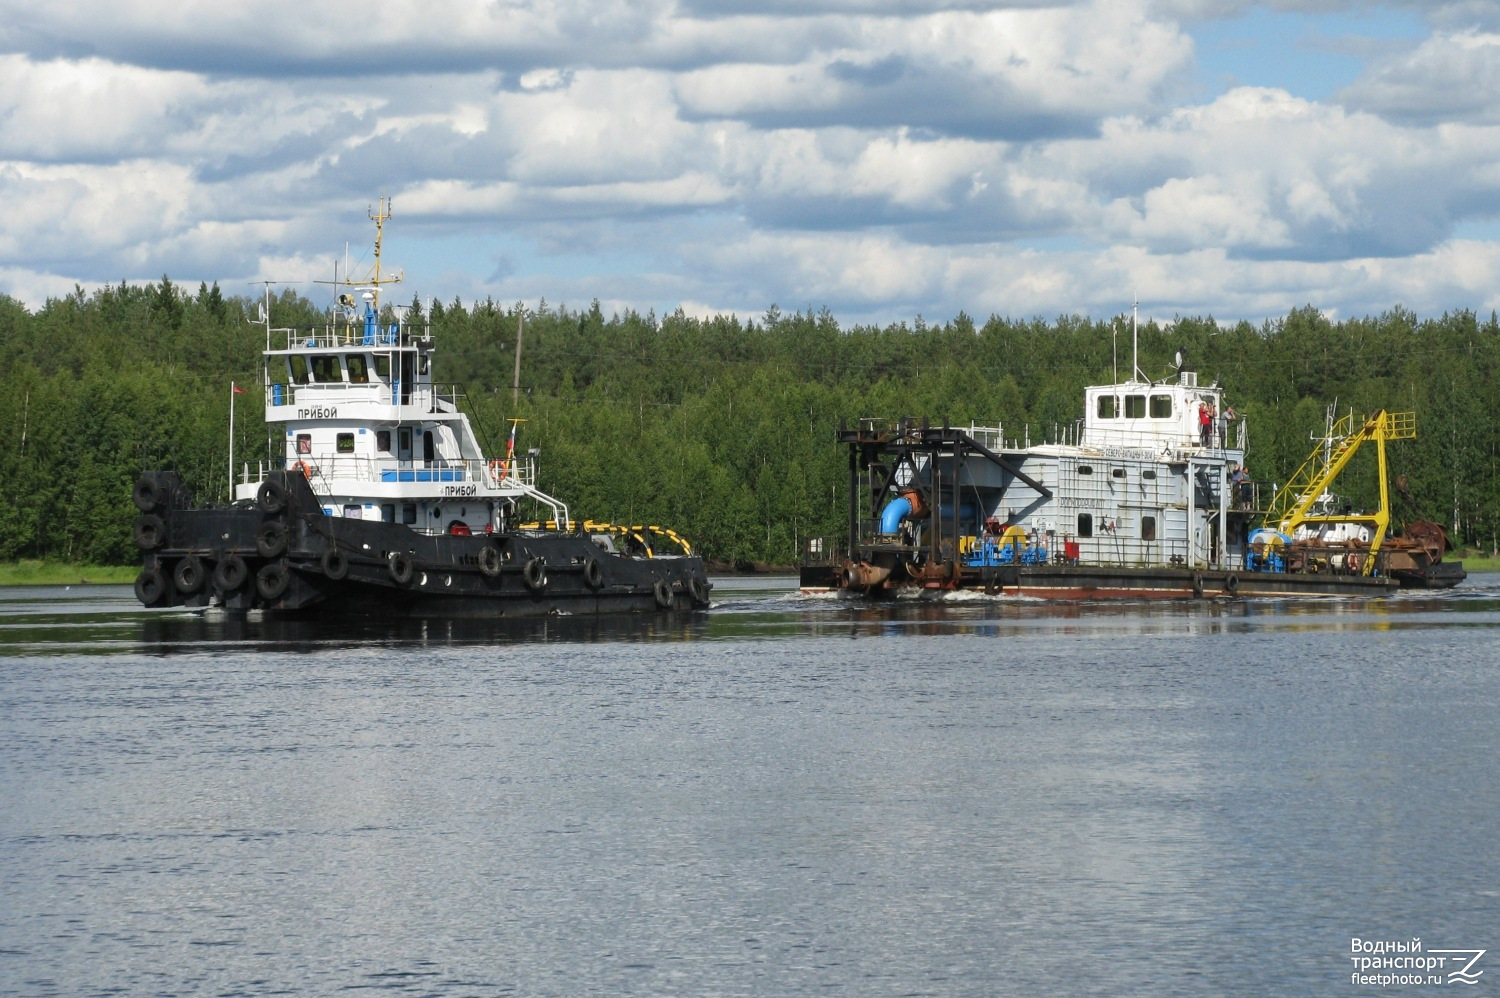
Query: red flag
column 236, row 388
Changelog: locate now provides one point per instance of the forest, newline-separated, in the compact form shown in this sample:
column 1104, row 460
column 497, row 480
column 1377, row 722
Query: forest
column 721, row 428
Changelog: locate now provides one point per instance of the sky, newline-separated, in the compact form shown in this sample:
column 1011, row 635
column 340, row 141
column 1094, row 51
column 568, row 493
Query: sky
column 883, row 159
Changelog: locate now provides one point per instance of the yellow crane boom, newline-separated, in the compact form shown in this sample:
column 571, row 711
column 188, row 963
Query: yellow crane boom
column 1290, row 509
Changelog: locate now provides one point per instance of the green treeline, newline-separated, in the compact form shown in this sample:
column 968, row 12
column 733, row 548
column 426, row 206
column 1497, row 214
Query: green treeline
column 720, row 428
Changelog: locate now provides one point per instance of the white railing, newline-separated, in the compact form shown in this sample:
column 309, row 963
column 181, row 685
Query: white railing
column 321, row 469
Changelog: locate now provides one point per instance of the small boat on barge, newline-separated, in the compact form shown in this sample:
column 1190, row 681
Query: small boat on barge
column 381, row 500
column 1146, row 497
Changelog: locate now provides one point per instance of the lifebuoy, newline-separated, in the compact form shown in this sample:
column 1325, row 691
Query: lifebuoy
column 498, row 470
column 270, row 538
column 188, row 576
column 535, row 574
column 271, row 496
column 150, row 586
column 335, row 565
column 150, row 531
column 230, row 574
column 147, row 495
column 1352, row 562
column 490, row 560
column 305, row 468
column 698, row 589
column 663, row 594
column 1231, row 583
column 272, row 580
column 402, row 567
column 593, row 573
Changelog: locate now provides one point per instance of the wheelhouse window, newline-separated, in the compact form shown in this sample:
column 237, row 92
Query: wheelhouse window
column 1161, row 407
column 346, row 443
column 1148, row 528
column 1109, row 406
column 296, row 365
column 1135, row 407
column 1085, row 524
column 359, row 371
column 326, row 369
column 383, row 366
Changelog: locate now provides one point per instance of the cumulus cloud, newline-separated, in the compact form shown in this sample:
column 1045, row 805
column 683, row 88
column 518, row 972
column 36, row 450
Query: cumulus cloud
column 1447, row 78
column 882, row 158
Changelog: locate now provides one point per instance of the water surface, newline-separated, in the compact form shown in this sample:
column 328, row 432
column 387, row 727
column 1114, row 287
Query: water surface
column 783, row 796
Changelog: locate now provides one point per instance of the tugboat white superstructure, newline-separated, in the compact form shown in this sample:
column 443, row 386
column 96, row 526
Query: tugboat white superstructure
column 378, row 496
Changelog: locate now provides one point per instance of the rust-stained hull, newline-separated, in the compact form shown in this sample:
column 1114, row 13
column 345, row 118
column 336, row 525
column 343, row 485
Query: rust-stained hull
column 1080, row 582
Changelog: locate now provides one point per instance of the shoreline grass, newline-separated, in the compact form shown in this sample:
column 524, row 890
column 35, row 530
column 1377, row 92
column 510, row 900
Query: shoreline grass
column 28, row 572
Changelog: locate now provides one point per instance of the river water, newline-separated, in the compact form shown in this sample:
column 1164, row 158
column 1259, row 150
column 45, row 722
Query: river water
column 784, row 796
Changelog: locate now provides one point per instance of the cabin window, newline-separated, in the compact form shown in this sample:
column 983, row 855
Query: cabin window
column 1149, row 475
column 1135, row 407
column 424, row 364
column 383, row 441
column 403, row 443
column 1118, row 472
column 359, row 371
column 429, row 452
column 1148, row 528
column 1085, row 524
column 326, row 369
column 383, row 366
column 1109, row 407
column 346, row 443
column 304, row 443
column 297, row 365
column 1161, row 407
column 388, row 512
column 408, row 512
column 352, row 512
column 1084, row 469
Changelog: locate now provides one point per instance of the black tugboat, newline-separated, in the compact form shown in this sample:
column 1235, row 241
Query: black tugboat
column 382, row 501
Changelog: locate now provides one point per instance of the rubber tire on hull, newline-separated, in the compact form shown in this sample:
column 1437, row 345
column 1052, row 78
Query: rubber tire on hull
column 662, row 593
column 698, row 590
column 230, row 574
column 271, row 496
column 189, row 575
column 150, row 586
column 272, row 580
column 147, row 495
column 270, row 538
column 150, row 531
column 535, row 574
column 335, row 565
column 1231, row 583
column 593, row 573
column 402, row 568
column 490, row 561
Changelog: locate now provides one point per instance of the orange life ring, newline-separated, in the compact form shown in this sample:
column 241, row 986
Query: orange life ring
column 499, row 469
column 305, row 468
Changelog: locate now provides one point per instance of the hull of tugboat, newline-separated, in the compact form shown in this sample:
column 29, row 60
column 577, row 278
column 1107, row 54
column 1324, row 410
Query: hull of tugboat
column 283, row 553
column 1101, row 582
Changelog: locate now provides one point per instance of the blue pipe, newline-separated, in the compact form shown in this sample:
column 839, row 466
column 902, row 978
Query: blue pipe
column 894, row 512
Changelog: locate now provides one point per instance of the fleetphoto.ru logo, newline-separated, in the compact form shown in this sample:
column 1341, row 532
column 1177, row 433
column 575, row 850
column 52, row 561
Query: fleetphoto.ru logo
column 1401, row 963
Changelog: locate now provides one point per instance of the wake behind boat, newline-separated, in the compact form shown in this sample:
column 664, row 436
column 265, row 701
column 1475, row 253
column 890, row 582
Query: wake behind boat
column 382, row 500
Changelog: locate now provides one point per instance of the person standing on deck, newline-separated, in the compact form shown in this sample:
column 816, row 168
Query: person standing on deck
column 1205, row 422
